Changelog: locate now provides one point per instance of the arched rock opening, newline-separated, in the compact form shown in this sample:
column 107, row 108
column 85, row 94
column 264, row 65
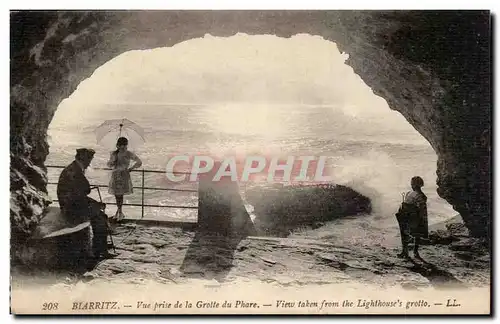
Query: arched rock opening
column 432, row 67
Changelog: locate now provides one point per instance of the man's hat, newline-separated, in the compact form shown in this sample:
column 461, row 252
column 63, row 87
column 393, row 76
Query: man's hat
column 84, row 153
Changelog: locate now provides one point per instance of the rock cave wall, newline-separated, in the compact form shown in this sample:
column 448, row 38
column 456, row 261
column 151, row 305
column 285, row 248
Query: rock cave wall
column 432, row 67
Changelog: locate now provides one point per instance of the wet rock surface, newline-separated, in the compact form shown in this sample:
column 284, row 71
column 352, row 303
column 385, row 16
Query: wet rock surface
column 456, row 238
column 168, row 255
column 28, row 196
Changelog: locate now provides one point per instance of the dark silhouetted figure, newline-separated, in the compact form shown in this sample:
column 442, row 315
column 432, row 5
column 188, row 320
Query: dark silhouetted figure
column 412, row 217
column 72, row 190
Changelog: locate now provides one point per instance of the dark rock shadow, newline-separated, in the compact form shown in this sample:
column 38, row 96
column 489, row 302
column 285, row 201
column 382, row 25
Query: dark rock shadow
column 438, row 277
column 210, row 256
column 222, row 223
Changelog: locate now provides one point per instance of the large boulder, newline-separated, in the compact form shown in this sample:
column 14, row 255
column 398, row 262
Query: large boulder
column 56, row 243
column 279, row 210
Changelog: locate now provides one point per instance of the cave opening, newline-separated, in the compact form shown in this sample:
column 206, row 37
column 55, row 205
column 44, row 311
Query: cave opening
column 250, row 94
column 431, row 67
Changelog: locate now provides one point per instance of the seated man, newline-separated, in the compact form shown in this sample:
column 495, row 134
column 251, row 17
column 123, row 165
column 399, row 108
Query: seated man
column 72, row 190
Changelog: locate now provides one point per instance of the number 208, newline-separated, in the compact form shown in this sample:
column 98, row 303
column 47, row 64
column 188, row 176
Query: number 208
column 50, row 306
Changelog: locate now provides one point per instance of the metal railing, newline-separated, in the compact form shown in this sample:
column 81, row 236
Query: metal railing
column 142, row 187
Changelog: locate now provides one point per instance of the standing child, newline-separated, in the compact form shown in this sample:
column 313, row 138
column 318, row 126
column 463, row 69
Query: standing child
column 412, row 217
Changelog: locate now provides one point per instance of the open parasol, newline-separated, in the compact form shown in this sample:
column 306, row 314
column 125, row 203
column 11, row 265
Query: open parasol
column 110, row 130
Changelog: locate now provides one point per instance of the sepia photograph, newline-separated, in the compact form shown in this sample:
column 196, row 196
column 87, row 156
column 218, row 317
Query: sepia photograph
column 232, row 162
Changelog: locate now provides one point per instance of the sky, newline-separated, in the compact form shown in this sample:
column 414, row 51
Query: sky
column 258, row 73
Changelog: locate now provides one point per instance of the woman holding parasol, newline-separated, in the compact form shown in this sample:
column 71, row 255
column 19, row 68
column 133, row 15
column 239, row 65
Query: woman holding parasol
column 120, row 183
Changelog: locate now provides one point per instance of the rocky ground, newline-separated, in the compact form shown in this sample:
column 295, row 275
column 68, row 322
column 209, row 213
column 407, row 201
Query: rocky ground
column 173, row 256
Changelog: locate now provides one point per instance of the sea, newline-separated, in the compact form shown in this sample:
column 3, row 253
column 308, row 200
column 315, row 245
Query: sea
column 371, row 155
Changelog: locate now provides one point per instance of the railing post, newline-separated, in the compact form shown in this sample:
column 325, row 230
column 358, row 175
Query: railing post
column 142, row 205
column 142, row 188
